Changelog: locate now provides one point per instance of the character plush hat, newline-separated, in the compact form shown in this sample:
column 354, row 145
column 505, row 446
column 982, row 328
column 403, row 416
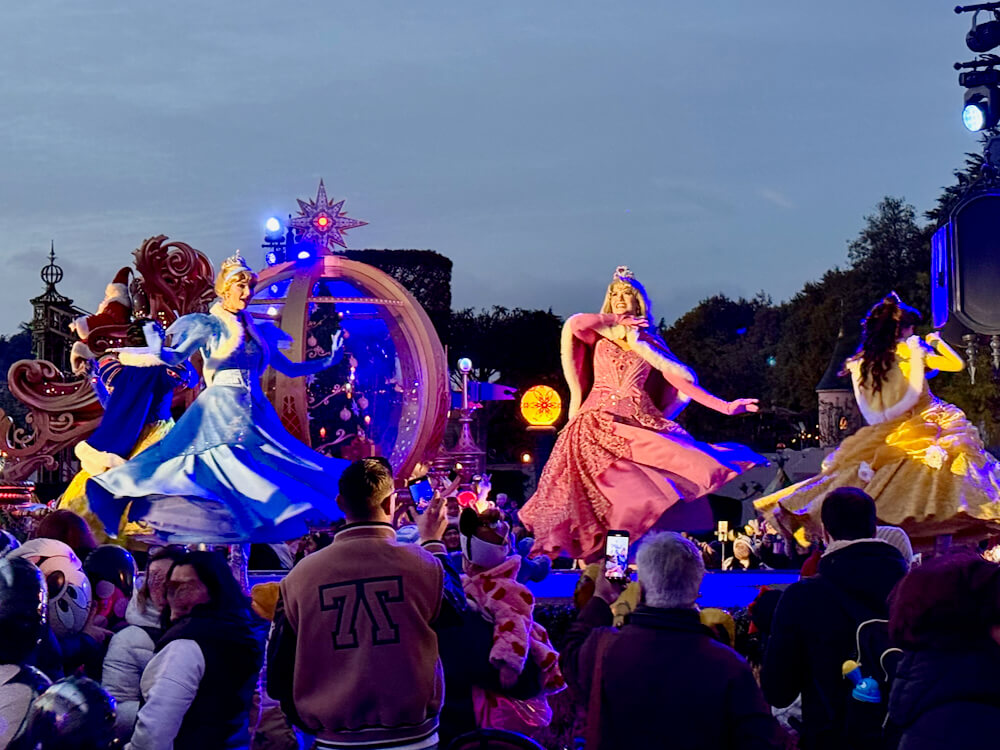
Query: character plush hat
column 484, row 537
column 750, row 543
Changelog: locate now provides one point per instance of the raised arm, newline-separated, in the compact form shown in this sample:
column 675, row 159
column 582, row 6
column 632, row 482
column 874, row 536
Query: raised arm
column 588, row 326
column 696, row 393
column 585, row 325
column 285, row 366
column 942, row 357
column 187, row 334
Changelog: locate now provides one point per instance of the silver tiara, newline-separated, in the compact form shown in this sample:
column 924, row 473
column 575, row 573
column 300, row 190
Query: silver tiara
column 233, row 265
column 622, row 273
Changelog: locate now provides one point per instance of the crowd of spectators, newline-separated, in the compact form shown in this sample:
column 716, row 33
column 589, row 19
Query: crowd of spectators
column 413, row 638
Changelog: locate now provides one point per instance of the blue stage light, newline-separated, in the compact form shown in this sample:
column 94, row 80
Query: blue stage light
column 974, row 116
column 274, row 289
column 304, row 254
column 981, row 110
column 271, row 258
column 273, row 225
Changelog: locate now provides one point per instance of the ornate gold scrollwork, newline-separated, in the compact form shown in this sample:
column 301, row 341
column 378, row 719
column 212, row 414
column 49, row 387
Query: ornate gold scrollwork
column 172, row 279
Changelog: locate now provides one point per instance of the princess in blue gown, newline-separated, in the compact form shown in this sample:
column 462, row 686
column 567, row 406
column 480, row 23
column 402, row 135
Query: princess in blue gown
column 228, row 471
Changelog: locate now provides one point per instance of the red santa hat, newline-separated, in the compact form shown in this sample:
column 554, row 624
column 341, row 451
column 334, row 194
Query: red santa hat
column 114, row 310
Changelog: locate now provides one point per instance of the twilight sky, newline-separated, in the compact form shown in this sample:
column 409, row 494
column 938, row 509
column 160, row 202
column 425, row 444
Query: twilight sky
column 713, row 147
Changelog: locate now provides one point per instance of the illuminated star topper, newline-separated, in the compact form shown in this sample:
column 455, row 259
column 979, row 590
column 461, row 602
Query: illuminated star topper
column 323, row 223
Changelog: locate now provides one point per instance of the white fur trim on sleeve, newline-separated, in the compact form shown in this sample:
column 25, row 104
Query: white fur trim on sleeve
column 96, row 462
column 915, row 386
column 231, row 340
column 79, row 355
column 566, row 346
column 82, row 327
column 658, row 359
column 140, row 356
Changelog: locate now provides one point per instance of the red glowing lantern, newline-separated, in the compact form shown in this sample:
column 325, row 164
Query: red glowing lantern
column 466, row 498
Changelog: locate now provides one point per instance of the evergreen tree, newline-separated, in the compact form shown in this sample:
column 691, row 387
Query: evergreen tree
column 13, row 348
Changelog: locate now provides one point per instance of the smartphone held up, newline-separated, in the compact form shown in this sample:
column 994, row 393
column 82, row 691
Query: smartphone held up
column 421, row 491
column 616, row 556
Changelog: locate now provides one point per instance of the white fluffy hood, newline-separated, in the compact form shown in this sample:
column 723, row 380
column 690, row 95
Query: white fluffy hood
column 136, row 614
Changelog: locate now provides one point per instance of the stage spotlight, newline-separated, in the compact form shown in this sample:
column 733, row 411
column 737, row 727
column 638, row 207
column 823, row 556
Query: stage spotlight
column 982, row 99
column 984, row 36
column 982, row 108
column 272, row 311
column 273, row 226
column 303, row 255
column 974, row 115
column 271, row 258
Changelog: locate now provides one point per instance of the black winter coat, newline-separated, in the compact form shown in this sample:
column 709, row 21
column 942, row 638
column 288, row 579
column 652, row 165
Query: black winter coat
column 233, row 651
column 667, row 683
column 813, row 634
column 464, row 647
column 945, row 700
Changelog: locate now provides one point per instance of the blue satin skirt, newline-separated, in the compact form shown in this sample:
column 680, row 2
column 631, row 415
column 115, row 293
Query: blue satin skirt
column 227, row 472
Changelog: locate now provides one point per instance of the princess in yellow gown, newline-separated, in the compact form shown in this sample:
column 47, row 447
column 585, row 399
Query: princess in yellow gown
column 919, row 457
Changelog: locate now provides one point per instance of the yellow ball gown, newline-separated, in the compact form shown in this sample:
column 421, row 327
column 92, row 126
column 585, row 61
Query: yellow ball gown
column 919, row 458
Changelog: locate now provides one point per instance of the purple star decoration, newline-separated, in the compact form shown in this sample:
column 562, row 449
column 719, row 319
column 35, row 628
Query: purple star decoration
column 323, row 223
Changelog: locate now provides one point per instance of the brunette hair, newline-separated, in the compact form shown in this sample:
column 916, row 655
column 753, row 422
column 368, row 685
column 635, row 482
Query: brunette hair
column 224, row 592
column 172, row 553
column 66, row 526
column 880, row 331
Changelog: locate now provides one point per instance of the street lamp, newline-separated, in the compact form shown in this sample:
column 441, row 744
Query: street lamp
column 465, row 367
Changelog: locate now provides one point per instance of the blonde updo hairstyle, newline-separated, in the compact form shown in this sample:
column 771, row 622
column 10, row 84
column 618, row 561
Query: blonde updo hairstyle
column 624, row 278
column 233, row 270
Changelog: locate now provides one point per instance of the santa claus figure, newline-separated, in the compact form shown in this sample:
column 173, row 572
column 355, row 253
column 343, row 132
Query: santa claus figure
column 115, row 310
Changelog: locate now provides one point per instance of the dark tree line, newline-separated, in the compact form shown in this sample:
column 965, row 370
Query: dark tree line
column 777, row 352
column 12, row 348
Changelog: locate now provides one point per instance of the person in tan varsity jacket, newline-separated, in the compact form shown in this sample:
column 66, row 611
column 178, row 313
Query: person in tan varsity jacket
column 353, row 655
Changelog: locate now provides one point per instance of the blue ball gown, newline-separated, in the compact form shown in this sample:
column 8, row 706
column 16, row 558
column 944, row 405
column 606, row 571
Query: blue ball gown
column 228, row 471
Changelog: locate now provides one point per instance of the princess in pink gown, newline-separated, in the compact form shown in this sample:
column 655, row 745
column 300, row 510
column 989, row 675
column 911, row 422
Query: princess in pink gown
column 621, row 462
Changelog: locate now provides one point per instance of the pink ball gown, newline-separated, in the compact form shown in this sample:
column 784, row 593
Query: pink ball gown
column 620, row 462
